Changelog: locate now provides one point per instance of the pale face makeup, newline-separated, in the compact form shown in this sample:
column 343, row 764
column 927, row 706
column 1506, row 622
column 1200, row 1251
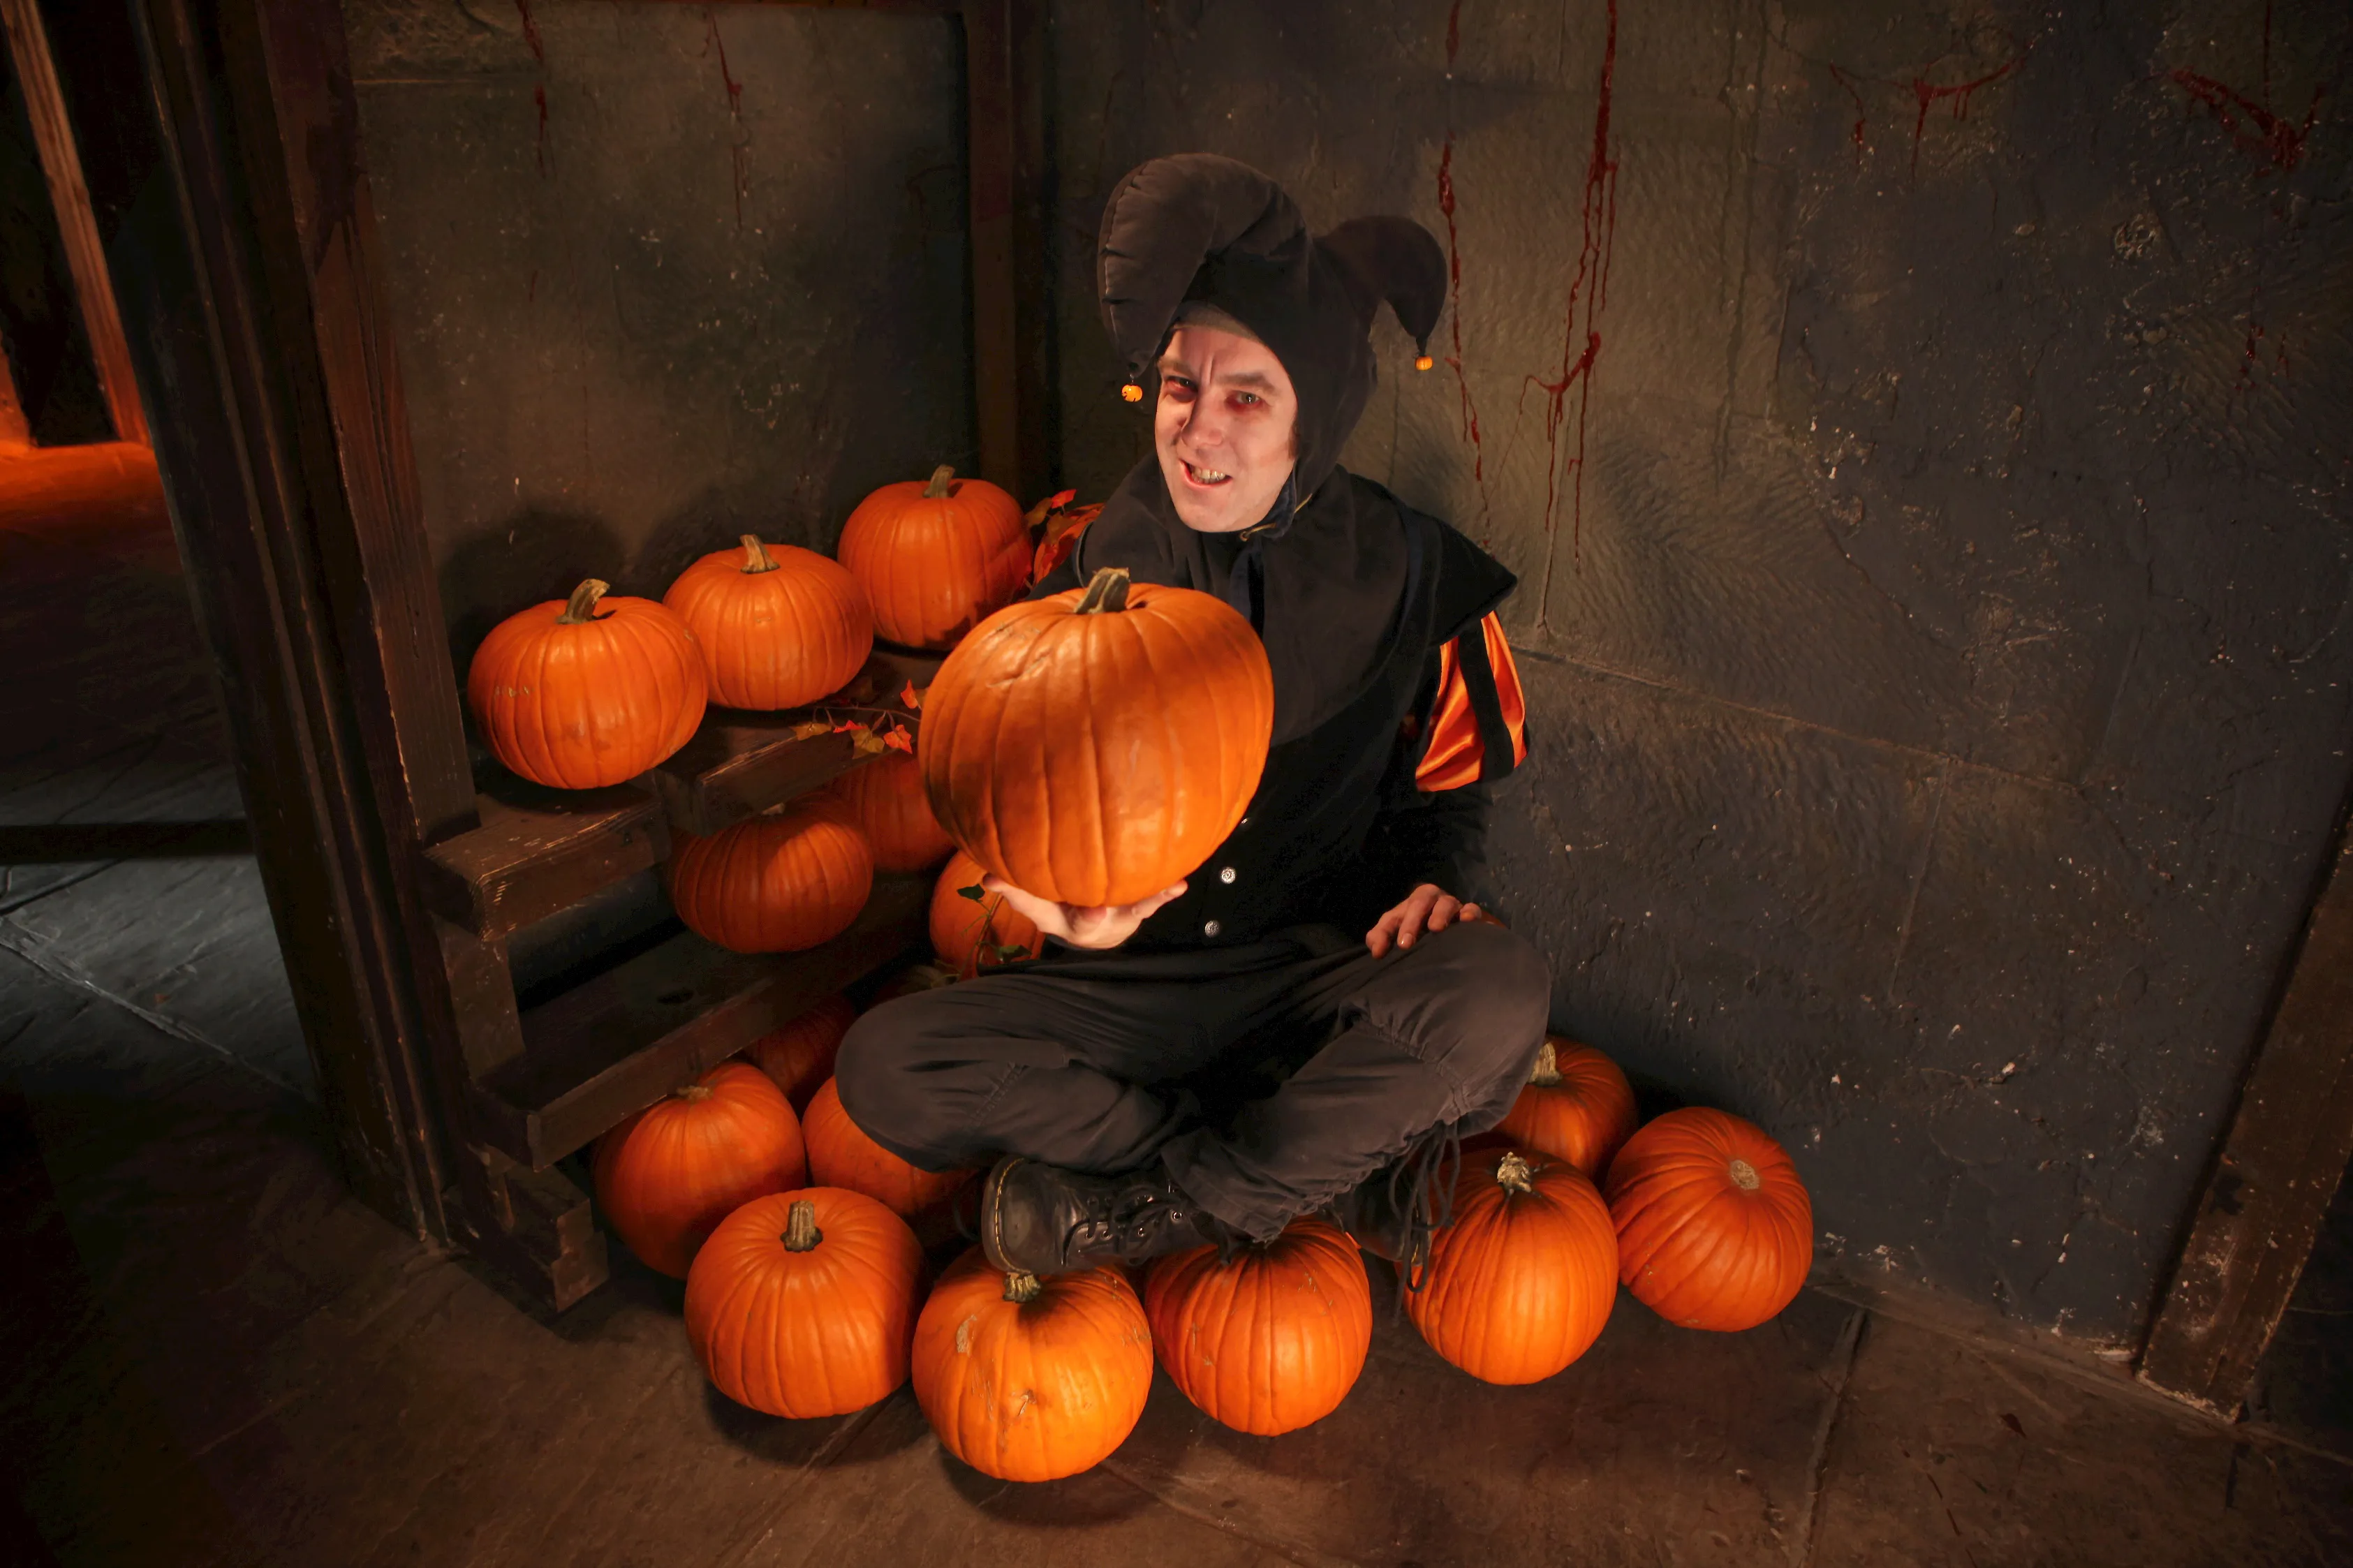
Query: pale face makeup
column 1223, row 427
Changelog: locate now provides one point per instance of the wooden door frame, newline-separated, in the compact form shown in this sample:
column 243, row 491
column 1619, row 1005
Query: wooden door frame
column 229, row 198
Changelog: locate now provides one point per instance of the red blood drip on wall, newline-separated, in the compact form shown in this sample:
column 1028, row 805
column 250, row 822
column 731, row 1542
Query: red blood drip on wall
column 1862, row 115
column 1589, row 292
column 1924, row 94
column 531, row 31
column 1454, row 275
column 539, row 96
column 2254, row 127
column 737, row 147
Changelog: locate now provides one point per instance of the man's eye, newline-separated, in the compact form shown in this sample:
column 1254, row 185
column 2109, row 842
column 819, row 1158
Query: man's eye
column 1246, row 398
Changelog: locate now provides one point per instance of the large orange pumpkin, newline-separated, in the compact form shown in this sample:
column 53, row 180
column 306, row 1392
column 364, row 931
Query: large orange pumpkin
column 668, row 1175
column 886, row 797
column 1093, row 747
column 1273, row 1338
column 1027, row 1379
column 840, row 1154
column 1522, row 1282
column 798, row 1057
column 779, row 625
column 1578, row 1107
column 583, row 693
column 774, row 884
column 935, row 556
column 802, row 1303
column 973, row 934
column 1715, row 1230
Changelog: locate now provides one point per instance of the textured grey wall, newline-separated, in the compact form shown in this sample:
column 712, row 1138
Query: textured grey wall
column 662, row 274
column 1935, row 579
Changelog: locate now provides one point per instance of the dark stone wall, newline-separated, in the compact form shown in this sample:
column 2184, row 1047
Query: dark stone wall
column 1923, row 438
column 662, row 274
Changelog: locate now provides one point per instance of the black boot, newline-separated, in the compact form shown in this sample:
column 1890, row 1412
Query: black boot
column 1394, row 1212
column 1041, row 1219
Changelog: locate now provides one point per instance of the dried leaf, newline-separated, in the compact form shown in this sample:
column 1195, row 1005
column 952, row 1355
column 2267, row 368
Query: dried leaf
column 868, row 743
column 897, row 739
column 847, row 725
column 910, row 697
column 809, row 728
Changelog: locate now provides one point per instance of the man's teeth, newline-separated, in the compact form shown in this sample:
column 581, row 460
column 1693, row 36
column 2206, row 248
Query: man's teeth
column 1207, row 475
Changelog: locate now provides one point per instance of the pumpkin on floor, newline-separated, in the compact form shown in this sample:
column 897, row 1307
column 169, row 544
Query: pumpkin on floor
column 972, row 933
column 935, row 556
column 1093, row 747
column 1272, row 1338
column 1715, row 1230
column 1522, row 1282
column 668, row 1175
column 886, row 797
column 798, row 1057
column 802, row 1303
column 1578, row 1107
column 779, row 627
column 1027, row 1379
column 590, row 691
column 840, row 1154
column 774, row 884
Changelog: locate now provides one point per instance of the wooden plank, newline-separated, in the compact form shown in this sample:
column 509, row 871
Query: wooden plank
column 2279, row 1163
column 542, row 851
column 611, row 1047
column 45, row 105
column 14, row 431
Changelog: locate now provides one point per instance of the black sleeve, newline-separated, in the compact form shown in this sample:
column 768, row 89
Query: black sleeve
column 1439, row 838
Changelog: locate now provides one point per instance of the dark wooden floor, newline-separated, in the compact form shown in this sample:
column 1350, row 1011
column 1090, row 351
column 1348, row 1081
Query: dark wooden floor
column 210, row 1354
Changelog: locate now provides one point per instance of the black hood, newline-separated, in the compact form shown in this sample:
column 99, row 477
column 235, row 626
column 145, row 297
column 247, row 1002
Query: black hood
column 1200, row 226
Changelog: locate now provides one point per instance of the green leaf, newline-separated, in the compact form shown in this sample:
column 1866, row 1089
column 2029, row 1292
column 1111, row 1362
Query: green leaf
column 975, row 892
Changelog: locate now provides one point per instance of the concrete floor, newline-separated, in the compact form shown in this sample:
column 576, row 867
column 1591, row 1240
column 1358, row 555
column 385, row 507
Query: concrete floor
column 211, row 1354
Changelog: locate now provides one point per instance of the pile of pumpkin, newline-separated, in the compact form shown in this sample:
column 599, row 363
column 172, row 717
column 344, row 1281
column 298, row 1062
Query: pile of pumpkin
column 596, row 689
column 810, row 1300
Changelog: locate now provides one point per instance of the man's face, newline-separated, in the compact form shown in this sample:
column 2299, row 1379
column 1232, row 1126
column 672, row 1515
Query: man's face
column 1223, row 428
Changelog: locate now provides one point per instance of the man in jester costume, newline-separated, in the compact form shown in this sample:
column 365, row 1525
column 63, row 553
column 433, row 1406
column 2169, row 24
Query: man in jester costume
column 1316, row 1018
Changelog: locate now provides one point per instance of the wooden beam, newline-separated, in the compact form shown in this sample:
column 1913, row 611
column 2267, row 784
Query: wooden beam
column 541, row 854
column 1004, row 146
column 45, row 104
column 14, row 431
column 2255, row 1224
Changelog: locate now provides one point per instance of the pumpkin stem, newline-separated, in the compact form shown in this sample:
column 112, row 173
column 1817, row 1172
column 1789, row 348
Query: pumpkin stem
column 1106, row 594
column 1021, row 1289
column 582, row 606
column 756, row 555
column 1547, row 1069
column 695, row 1091
column 1513, row 1175
column 801, row 1233
column 937, row 490
column 1745, row 1176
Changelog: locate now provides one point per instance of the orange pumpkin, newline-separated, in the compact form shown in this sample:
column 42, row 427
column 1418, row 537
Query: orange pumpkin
column 886, row 797
column 802, row 1303
column 1578, row 1107
column 1027, row 1379
column 1093, row 747
column 1271, row 1340
column 798, row 1057
column 1715, row 1230
column 583, row 693
column 841, row 1156
column 934, row 557
column 774, row 884
column 779, row 625
column 1520, row 1284
column 973, row 934
column 668, row 1175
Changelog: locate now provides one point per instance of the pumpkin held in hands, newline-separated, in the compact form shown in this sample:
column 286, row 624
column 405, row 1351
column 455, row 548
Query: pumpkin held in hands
column 840, row 1154
column 802, row 1303
column 585, row 692
column 779, row 625
column 1027, row 1379
column 1093, row 747
column 798, row 1057
column 1520, row 1285
column 935, row 556
column 1578, row 1107
column 668, row 1175
column 886, row 797
column 774, row 884
column 1272, row 1338
column 975, row 930
column 1715, row 1230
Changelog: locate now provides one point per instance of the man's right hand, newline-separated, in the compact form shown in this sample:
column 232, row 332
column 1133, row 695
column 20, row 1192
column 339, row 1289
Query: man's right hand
column 1096, row 928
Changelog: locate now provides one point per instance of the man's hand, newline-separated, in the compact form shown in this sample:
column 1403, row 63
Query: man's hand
column 1097, row 927
column 1426, row 908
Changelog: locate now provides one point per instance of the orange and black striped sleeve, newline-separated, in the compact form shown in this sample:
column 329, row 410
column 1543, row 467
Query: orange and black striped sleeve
column 1476, row 723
